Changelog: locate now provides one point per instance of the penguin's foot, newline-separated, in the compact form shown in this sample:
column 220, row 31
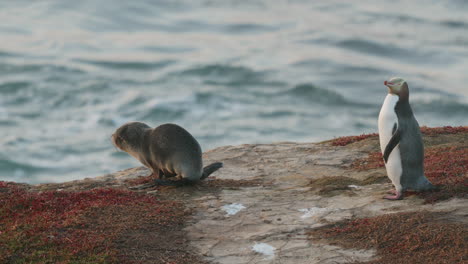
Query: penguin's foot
column 397, row 196
column 392, row 191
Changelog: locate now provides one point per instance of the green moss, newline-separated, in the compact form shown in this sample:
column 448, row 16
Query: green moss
column 375, row 178
column 331, row 186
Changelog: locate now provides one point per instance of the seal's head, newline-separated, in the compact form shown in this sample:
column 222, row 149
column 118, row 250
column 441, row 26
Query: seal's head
column 129, row 136
column 397, row 86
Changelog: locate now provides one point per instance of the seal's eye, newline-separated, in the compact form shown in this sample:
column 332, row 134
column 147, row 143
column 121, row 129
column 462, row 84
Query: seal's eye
column 118, row 140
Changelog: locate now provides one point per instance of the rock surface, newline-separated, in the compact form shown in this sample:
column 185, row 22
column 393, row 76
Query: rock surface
column 266, row 220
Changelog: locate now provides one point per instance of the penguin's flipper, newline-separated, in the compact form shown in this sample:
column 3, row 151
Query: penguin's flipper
column 392, row 143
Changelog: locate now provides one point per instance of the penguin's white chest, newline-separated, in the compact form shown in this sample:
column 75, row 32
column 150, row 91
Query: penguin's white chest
column 387, row 121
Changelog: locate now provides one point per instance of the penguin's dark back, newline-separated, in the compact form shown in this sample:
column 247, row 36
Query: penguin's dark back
column 411, row 146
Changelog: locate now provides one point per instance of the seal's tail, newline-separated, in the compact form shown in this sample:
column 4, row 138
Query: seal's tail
column 210, row 169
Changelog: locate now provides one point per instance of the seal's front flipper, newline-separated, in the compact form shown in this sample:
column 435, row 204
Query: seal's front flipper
column 143, row 186
column 165, row 174
column 392, row 144
column 181, row 182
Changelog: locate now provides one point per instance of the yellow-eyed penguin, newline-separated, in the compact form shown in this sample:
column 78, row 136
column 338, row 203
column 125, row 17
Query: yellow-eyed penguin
column 401, row 141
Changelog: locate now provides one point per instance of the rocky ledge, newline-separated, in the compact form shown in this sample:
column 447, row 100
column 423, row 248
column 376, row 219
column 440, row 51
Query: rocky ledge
column 271, row 203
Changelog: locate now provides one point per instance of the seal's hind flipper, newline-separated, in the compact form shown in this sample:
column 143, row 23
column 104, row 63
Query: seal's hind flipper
column 210, row 169
column 143, row 186
column 392, row 144
column 180, row 182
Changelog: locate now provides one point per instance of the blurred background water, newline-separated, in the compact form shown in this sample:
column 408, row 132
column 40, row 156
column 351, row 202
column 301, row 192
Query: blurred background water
column 230, row 72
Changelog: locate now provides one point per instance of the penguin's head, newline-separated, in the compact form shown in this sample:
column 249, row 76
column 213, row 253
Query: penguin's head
column 398, row 86
column 395, row 85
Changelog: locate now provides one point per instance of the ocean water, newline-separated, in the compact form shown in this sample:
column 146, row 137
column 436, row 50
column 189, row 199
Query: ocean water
column 230, row 72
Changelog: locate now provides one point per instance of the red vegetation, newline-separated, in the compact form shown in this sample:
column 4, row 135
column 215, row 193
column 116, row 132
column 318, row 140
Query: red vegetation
column 373, row 161
column 61, row 227
column 343, row 141
column 141, row 180
column 432, row 131
column 446, row 167
column 428, row 131
column 415, row 237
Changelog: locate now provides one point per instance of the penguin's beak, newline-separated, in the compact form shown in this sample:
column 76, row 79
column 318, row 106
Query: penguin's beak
column 389, row 86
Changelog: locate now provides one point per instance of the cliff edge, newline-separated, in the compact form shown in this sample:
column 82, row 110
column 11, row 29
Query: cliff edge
column 270, row 203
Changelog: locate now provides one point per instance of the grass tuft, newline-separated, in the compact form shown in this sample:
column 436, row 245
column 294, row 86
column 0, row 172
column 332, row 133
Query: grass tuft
column 73, row 227
column 445, row 167
column 415, row 237
column 343, row 141
column 428, row 131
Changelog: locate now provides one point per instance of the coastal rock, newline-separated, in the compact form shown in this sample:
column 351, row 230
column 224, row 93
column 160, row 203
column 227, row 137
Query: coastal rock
column 280, row 192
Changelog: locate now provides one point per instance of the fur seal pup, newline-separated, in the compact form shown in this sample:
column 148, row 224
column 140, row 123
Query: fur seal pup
column 401, row 141
column 168, row 150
